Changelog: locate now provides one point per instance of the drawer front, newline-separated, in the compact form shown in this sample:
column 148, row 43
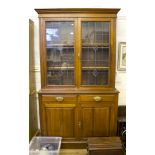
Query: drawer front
column 59, row 98
column 96, row 98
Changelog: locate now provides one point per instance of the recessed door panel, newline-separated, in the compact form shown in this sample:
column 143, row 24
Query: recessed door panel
column 95, row 121
column 60, row 122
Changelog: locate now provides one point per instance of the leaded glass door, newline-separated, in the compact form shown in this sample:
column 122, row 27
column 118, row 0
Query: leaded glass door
column 60, row 52
column 95, row 53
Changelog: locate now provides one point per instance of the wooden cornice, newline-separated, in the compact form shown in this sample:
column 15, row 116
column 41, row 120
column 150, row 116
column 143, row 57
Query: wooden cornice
column 78, row 10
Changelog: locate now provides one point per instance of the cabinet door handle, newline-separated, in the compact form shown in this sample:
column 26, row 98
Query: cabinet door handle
column 97, row 98
column 59, row 98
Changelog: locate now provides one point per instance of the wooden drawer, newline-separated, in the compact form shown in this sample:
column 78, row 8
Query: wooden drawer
column 59, row 98
column 96, row 98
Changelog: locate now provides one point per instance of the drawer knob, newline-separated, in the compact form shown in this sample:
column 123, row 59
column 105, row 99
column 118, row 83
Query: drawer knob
column 97, row 98
column 59, row 98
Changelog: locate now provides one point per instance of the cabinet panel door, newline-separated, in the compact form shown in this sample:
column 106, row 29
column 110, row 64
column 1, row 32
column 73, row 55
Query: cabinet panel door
column 95, row 121
column 58, row 43
column 96, row 52
column 60, row 52
column 60, row 121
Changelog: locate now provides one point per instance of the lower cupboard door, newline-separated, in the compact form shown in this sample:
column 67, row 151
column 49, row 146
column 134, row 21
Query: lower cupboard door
column 60, row 122
column 95, row 121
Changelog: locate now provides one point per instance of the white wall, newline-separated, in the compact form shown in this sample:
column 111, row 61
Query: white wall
column 121, row 75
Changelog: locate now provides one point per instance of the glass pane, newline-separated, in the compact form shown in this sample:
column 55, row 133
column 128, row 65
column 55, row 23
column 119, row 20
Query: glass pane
column 94, row 77
column 95, row 53
column 60, row 53
column 95, row 33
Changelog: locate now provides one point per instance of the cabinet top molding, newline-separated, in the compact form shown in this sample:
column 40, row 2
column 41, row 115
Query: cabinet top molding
column 78, row 10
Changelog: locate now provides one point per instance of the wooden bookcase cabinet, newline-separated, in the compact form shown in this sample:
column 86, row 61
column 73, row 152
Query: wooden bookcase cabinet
column 78, row 98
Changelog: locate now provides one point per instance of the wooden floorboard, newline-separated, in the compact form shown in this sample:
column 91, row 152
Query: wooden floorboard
column 73, row 152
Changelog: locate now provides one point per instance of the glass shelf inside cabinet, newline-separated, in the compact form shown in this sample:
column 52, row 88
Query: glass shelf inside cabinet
column 60, row 53
column 95, row 53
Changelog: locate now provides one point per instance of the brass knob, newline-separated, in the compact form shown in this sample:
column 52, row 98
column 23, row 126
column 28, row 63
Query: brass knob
column 59, row 98
column 97, row 98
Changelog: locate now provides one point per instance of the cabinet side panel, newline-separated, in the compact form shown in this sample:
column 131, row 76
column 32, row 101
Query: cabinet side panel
column 42, row 51
column 42, row 116
column 113, row 51
column 113, row 120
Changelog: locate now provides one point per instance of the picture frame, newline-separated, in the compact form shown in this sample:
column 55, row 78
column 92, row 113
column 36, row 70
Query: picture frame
column 122, row 57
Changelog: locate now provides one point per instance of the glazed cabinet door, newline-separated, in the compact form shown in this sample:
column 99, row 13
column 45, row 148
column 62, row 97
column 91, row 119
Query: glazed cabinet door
column 96, row 52
column 58, row 52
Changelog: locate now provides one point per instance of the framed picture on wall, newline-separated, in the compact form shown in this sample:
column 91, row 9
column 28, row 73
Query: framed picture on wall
column 122, row 56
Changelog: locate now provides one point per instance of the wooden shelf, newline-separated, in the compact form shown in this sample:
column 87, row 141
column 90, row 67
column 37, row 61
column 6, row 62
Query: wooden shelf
column 58, row 61
column 94, row 61
column 54, row 61
column 60, row 68
column 59, row 45
column 97, row 68
column 95, row 45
